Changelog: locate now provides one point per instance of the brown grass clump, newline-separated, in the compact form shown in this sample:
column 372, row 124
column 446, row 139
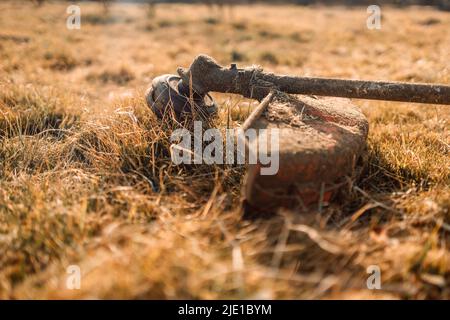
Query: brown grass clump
column 61, row 61
column 26, row 111
column 86, row 177
column 120, row 77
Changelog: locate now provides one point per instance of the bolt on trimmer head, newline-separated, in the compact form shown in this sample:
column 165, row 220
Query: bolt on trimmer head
column 322, row 141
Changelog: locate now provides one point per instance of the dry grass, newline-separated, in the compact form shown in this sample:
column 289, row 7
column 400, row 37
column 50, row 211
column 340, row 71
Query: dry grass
column 86, row 177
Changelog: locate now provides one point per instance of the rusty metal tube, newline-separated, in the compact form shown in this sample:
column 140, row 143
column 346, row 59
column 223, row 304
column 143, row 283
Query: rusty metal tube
column 206, row 75
column 361, row 89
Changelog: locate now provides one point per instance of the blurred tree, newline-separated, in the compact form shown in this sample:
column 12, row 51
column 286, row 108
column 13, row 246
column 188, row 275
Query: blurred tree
column 222, row 6
column 38, row 2
column 151, row 8
column 106, row 4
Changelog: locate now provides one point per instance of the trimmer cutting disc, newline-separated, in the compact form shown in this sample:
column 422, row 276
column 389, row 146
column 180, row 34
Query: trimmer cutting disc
column 321, row 143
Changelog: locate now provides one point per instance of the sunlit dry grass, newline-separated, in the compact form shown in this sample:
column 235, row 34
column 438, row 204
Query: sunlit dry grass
column 86, row 176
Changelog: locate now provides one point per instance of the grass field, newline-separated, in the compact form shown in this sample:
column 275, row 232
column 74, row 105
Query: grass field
column 86, row 177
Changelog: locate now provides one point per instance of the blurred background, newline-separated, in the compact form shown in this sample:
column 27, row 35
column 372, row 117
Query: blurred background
column 441, row 4
column 86, row 177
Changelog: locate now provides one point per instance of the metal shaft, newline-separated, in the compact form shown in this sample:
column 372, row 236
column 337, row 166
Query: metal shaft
column 361, row 89
column 206, row 75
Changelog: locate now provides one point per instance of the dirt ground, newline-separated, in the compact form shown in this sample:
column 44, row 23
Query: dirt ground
column 86, row 177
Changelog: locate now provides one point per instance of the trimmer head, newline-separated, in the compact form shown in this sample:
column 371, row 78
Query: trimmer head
column 322, row 144
column 168, row 95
